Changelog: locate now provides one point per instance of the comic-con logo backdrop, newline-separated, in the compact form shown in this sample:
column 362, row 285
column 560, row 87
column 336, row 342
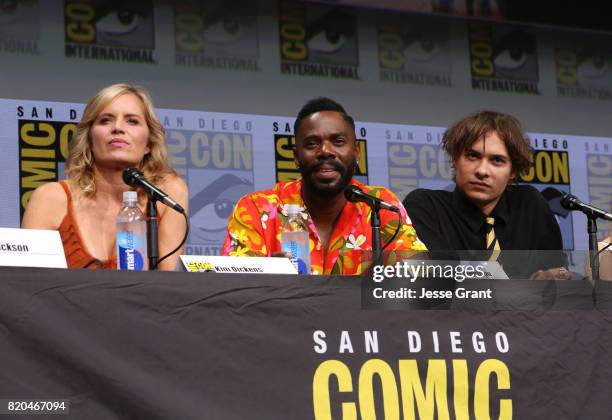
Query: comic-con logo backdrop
column 317, row 40
column 503, row 58
column 598, row 159
column 42, row 147
column 414, row 49
column 216, row 34
column 550, row 174
column 214, row 154
column 584, row 66
column 110, row 30
column 417, row 165
column 19, row 26
column 222, row 157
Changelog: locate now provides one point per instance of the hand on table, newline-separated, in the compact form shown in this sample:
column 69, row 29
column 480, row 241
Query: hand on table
column 558, row 273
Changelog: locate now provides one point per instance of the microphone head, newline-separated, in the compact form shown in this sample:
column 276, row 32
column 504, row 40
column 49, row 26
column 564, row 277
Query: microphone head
column 131, row 176
column 569, row 201
column 352, row 192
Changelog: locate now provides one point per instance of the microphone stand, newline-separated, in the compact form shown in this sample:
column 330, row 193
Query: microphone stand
column 152, row 249
column 376, row 244
column 593, row 257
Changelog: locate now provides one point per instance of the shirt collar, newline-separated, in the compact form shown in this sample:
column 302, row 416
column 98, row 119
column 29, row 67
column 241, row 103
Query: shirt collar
column 473, row 216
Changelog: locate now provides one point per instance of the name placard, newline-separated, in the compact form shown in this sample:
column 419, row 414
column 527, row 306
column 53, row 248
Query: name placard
column 222, row 264
column 31, row 248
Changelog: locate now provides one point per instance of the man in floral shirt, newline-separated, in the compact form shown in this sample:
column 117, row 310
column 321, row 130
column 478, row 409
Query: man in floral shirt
column 326, row 155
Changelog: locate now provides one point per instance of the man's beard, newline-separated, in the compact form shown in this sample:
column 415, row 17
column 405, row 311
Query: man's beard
column 328, row 190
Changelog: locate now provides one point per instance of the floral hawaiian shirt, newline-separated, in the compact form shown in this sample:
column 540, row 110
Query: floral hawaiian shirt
column 254, row 228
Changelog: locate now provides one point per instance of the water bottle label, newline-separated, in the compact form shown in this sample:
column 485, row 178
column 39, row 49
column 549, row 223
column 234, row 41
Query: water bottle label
column 128, row 255
column 130, row 259
column 299, row 264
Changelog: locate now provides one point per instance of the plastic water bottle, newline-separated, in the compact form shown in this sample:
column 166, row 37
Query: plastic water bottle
column 131, row 235
column 295, row 240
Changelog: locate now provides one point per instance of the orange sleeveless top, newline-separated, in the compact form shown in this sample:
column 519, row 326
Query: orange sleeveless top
column 76, row 254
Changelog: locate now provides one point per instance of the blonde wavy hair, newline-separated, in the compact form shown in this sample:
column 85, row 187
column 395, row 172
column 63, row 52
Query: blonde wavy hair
column 81, row 161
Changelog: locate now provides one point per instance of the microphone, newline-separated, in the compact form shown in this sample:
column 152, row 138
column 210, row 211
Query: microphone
column 135, row 178
column 572, row 202
column 355, row 194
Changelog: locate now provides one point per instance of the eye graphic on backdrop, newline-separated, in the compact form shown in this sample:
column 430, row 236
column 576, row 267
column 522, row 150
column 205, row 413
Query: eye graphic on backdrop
column 216, row 213
column 327, row 41
column 224, row 31
column 118, row 22
column 592, row 66
column 228, row 21
column 329, row 33
column 511, row 58
column 421, row 48
column 512, row 51
column 12, row 10
column 211, row 207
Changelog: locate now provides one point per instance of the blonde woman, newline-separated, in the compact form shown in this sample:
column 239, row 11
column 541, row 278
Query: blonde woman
column 118, row 130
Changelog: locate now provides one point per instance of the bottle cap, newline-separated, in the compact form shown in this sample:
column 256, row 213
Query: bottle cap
column 293, row 208
column 130, row 196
